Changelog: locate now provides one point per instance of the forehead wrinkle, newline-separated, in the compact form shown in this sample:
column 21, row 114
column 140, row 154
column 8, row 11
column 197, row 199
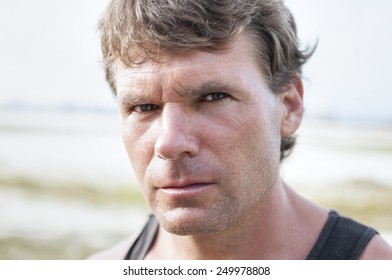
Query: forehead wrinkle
column 170, row 80
column 137, row 86
column 197, row 88
column 199, row 81
column 136, row 93
column 175, row 86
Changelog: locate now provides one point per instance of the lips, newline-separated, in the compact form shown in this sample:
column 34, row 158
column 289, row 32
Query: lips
column 186, row 189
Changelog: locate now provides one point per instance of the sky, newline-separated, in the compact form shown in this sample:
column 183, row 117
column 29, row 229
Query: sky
column 50, row 52
column 349, row 73
column 50, row 56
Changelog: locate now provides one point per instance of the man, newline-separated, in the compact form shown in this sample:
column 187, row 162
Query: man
column 210, row 94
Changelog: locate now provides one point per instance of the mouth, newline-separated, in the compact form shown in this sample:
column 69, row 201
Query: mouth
column 185, row 191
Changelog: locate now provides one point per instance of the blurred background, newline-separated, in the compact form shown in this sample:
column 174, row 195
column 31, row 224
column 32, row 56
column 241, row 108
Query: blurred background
column 66, row 186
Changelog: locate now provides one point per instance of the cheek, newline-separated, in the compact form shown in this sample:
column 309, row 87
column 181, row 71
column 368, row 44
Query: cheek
column 252, row 148
column 139, row 146
column 250, row 128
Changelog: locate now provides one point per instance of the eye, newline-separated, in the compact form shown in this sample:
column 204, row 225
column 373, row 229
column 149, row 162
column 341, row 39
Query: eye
column 143, row 108
column 216, row 96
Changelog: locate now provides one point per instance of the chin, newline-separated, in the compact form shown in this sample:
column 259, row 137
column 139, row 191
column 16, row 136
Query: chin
column 185, row 221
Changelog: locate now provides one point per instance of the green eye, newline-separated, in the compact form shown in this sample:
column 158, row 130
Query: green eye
column 216, row 96
column 146, row 108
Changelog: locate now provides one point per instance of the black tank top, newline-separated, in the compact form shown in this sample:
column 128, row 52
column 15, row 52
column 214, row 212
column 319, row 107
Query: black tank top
column 340, row 239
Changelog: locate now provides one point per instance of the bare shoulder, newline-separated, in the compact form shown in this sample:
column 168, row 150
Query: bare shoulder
column 377, row 249
column 116, row 252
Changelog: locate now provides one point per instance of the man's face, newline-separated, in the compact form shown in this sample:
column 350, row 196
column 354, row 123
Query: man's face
column 202, row 131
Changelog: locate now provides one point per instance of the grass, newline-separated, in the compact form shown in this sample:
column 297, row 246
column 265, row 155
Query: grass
column 64, row 247
column 76, row 190
column 364, row 200
column 367, row 201
column 17, row 248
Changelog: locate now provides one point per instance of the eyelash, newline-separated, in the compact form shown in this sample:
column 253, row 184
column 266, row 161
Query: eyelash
column 222, row 96
column 151, row 107
column 148, row 107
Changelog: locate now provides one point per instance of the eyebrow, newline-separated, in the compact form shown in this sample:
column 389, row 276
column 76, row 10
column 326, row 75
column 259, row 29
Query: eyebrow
column 138, row 97
column 133, row 95
column 131, row 99
column 210, row 87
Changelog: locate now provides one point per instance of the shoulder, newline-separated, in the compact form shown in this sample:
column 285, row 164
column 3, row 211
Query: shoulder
column 120, row 250
column 377, row 249
column 116, row 252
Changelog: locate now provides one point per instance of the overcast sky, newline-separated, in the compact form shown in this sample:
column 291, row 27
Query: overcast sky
column 49, row 54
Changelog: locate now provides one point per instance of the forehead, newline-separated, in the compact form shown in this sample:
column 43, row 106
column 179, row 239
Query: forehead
column 191, row 67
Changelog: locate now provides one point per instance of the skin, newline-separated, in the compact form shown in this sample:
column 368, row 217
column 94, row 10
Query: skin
column 202, row 131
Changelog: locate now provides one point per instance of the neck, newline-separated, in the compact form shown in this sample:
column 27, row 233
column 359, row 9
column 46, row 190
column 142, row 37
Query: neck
column 278, row 229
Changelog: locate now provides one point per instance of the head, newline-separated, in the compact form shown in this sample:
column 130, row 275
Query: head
column 147, row 41
column 136, row 30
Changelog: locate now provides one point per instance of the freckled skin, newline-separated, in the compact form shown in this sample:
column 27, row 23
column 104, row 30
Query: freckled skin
column 231, row 143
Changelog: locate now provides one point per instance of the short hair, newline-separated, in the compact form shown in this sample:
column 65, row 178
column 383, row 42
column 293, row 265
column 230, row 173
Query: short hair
column 135, row 30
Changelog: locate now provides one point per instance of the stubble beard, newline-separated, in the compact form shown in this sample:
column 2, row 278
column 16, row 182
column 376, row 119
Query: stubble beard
column 225, row 214
column 185, row 221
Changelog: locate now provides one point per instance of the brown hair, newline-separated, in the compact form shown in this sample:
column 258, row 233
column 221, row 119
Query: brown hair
column 135, row 30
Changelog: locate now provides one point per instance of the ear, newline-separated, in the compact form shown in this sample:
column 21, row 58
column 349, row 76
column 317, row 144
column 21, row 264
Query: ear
column 291, row 100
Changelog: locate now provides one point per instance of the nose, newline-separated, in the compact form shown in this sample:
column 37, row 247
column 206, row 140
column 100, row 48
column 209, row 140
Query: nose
column 176, row 137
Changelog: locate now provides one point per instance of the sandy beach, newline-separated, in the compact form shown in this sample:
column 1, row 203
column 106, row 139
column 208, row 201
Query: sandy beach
column 67, row 188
